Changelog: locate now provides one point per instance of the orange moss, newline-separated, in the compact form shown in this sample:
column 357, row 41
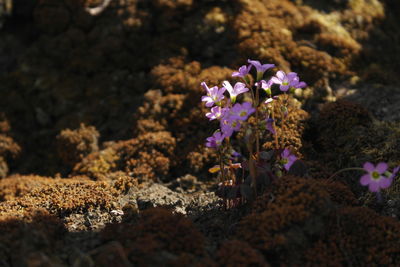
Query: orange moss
column 147, row 157
column 336, row 119
column 18, row 186
column 35, row 232
column 359, row 236
column 289, row 129
column 73, row 145
column 158, row 230
column 286, row 218
column 58, row 196
column 9, row 149
column 238, row 253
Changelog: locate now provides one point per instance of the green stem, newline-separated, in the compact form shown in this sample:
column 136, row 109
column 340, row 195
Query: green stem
column 257, row 135
column 221, row 165
column 345, row 169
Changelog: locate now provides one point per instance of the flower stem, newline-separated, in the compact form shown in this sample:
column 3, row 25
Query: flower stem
column 345, row 169
column 221, row 165
column 274, row 126
column 257, row 135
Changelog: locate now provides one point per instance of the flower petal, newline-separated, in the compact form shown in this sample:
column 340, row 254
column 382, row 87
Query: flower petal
column 281, row 75
column 381, row 167
column 373, row 187
column 385, row 182
column 291, row 75
column 284, row 88
column 369, row 167
column 276, row 80
column 365, row 179
column 301, row 85
column 269, row 100
column 204, row 85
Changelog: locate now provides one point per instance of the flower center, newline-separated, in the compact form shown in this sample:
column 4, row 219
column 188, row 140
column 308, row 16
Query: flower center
column 375, row 175
column 243, row 113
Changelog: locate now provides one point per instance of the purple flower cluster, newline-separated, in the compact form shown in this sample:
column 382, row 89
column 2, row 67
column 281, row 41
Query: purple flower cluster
column 230, row 114
column 285, row 82
column 230, row 117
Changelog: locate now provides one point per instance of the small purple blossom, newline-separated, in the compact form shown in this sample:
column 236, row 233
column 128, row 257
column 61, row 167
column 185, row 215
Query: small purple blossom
column 287, row 159
column 297, row 84
column 395, row 170
column 243, row 71
column 216, row 113
column 374, row 177
column 229, row 124
column 215, row 140
column 214, row 95
column 266, row 86
column 270, row 125
column 260, row 67
column 238, row 89
column 285, row 80
column 242, row 111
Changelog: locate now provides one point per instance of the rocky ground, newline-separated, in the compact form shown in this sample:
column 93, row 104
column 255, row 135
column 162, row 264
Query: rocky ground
column 102, row 156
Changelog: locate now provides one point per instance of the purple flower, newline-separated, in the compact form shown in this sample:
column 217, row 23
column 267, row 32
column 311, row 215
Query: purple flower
column 238, row 89
column 297, row 84
column 395, row 170
column 229, row 124
column 285, row 80
column 374, row 177
column 216, row 113
column 242, row 111
column 260, row 67
column 266, row 86
column 215, row 140
column 287, row 159
column 270, row 125
column 243, row 71
column 214, row 95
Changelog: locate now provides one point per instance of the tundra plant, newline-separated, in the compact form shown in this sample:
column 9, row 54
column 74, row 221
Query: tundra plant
column 243, row 174
column 258, row 168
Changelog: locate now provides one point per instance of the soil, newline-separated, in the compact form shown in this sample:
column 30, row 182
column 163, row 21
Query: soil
column 102, row 132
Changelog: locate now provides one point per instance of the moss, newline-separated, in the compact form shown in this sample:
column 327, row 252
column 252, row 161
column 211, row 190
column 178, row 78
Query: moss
column 30, row 237
column 358, row 235
column 239, row 253
column 18, row 186
column 96, row 165
column 58, row 196
column 337, row 119
column 157, row 233
column 73, row 145
column 286, row 218
column 289, row 129
column 9, row 149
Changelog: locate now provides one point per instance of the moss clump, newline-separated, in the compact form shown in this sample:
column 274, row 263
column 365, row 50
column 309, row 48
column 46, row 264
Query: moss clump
column 238, row 253
column 30, row 237
column 305, row 221
column 9, row 149
column 158, row 236
column 336, row 120
column 59, row 196
column 357, row 235
column 289, row 129
column 73, row 145
column 287, row 218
